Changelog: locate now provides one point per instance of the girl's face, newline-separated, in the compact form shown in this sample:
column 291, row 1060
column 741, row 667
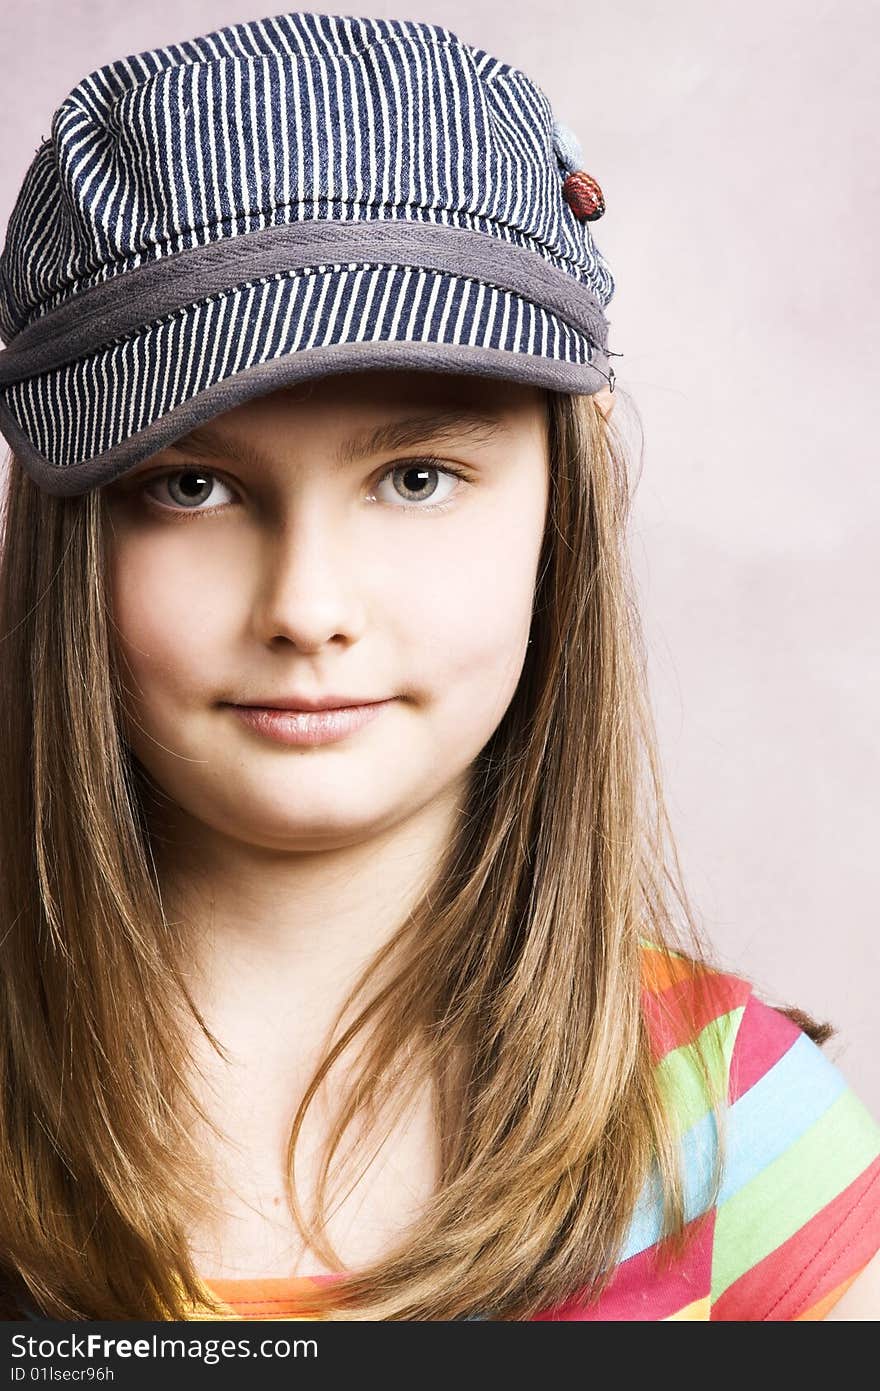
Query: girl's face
column 371, row 536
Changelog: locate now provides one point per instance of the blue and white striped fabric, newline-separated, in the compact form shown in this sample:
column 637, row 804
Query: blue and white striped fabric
column 280, row 199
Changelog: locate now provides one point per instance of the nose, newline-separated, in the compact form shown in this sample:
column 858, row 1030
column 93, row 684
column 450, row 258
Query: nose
column 310, row 588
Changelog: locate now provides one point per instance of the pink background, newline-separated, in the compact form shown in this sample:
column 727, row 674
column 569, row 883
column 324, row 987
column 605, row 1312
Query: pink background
column 736, row 145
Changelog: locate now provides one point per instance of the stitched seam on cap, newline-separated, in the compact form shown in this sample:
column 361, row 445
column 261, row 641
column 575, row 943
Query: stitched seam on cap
column 214, row 60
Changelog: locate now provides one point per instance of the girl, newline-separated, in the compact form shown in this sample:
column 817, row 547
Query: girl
column 347, row 968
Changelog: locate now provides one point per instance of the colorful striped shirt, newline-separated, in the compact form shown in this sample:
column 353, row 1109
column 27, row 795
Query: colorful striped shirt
column 798, row 1214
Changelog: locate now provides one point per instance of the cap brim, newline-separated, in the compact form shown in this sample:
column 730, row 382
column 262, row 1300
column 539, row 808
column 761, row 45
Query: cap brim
column 84, row 422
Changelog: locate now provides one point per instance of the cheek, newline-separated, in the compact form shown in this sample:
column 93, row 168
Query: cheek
column 167, row 619
column 476, row 610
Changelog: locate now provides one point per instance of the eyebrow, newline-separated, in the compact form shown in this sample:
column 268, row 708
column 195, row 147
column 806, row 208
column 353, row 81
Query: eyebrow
column 477, row 426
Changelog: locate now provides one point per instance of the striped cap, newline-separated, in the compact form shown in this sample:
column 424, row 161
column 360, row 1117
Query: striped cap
column 283, row 199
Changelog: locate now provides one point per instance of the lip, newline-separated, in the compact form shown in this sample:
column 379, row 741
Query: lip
column 327, row 702
column 320, row 726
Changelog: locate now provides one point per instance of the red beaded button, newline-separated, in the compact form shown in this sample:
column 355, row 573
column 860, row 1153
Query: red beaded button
column 584, row 196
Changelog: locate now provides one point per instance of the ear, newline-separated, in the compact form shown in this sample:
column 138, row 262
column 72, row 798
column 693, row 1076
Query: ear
column 605, row 401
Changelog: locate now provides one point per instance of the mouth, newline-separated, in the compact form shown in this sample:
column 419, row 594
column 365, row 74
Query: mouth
column 285, row 725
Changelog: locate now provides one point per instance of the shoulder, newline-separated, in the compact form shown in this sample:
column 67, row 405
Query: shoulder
column 686, row 1003
column 798, row 1214
column 682, row 999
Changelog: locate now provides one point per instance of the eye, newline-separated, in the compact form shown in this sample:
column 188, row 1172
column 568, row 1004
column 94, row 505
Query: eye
column 414, row 481
column 187, row 486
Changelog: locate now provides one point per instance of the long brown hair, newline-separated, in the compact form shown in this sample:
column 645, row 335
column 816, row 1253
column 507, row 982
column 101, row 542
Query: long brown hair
column 514, row 985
